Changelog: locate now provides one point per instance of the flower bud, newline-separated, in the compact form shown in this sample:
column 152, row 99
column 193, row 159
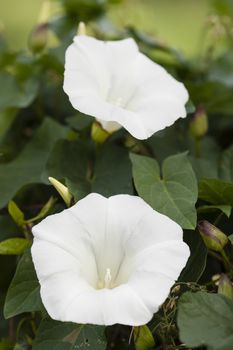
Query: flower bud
column 98, row 134
column 39, row 36
column 81, row 29
column 62, row 190
column 214, row 238
column 225, row 286
column 199, row 123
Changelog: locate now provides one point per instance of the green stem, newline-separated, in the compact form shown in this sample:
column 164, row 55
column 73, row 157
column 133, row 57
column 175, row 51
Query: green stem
column 225, row 258
column 197, row 147
column 218, row 219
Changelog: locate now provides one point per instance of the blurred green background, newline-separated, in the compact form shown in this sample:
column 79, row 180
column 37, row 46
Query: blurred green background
column 179, row 23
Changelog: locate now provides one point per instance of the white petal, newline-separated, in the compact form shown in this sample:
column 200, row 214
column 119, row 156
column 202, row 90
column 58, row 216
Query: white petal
column 148, row 227
column 59, row 291
column 96, row 66
column 142, row 250
column 49, row 259
column 156, row 269
column 64, row 231
column 158, row 99
column 153, row 288
column 105, row 111
column 115, row 83
column 108, row 306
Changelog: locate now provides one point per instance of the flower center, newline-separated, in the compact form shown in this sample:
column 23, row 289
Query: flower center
column 107, row 278
column 107, row 281
column 119, row 102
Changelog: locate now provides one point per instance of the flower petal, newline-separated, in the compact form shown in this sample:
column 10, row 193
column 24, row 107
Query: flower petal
column 49, row 259
column 142, row 250
column 156, row 269
column 115, row 83
column 65, row 231
column 108, row 306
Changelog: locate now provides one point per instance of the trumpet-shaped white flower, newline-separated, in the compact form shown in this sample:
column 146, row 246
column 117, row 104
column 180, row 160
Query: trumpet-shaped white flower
column 107, row 260
column 119, row 86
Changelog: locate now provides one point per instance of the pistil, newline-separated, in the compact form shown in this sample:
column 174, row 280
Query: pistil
column 107, row 278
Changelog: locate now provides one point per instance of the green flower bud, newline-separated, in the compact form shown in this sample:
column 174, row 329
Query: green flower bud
column 225, row 286
column 214, row 238
column 199, row 123
column 62, row 190
column 98, row 134
column 38, row 38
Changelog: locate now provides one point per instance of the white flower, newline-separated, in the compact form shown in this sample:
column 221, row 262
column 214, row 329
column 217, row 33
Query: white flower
column 120, row 86
column 107, row 260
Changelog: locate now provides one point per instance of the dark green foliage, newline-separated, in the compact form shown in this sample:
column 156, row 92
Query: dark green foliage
column 184, row 177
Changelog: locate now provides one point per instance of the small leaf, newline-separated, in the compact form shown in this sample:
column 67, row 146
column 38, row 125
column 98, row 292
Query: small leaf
column 14, row 246
column 216, row 191
column 174, row 193
column 206, row 319
column 24, row 292
column 16, row 214
column 226, row 209
column 143, row 338
column 53, row 335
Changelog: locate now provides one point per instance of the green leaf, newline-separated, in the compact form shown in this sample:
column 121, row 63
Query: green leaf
column 28, row 167
column 73, row 168
column 6, row 344
column 226, row 165
column 203, row 91
column 143, row 338
column 14, row 246
column 6, row 119
column 17, row 93
column 16, row 214
column 79, row 121
column 224, row 8
column 54, row 335
column 84, row 175
column 216, row 191
column 174, row 193
column 168, row 141
column 204, row 167
column 226, row 209
column 112, row 173
column 23, row 294
column 197, row 261
column 206, row 319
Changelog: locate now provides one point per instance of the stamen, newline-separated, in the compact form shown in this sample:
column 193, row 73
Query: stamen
column 107, row 278
column 119, row 102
